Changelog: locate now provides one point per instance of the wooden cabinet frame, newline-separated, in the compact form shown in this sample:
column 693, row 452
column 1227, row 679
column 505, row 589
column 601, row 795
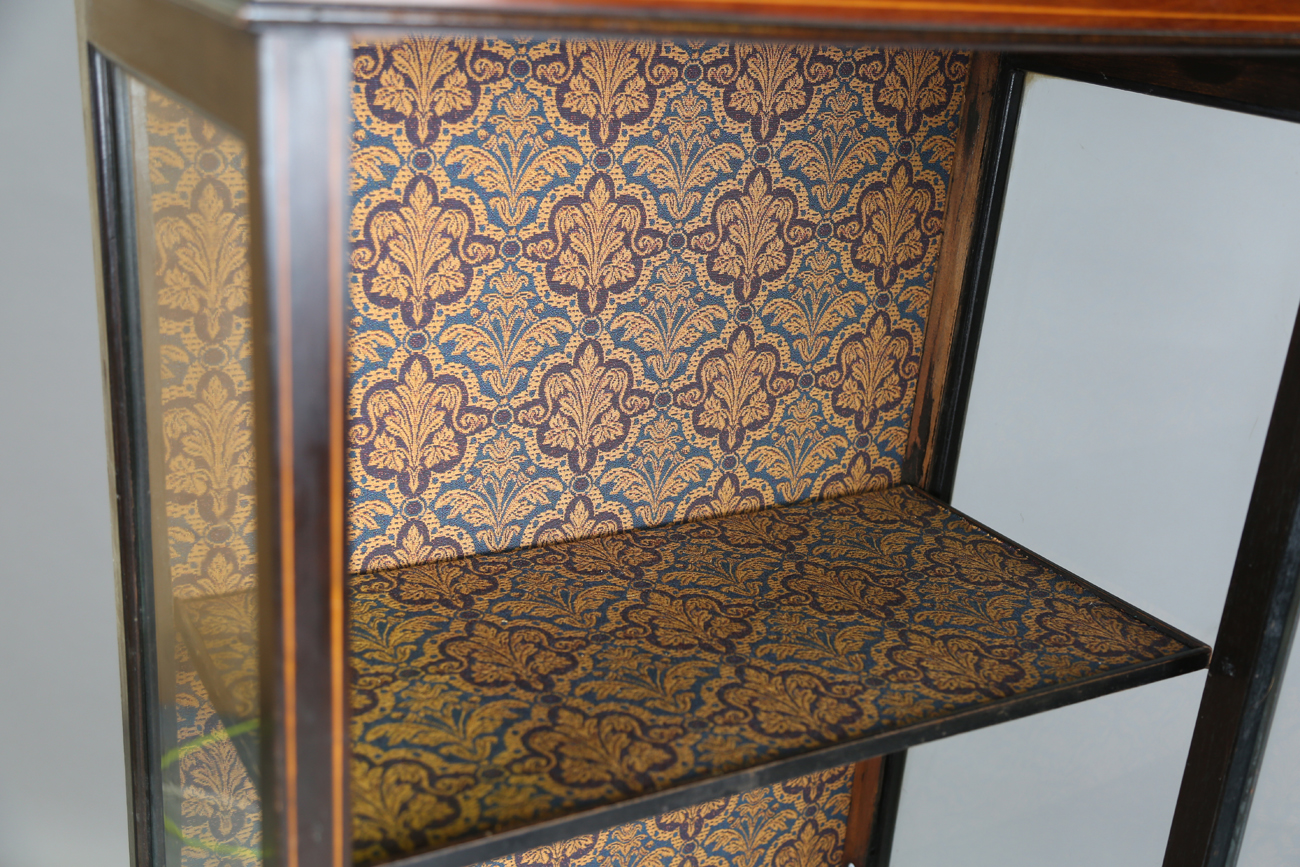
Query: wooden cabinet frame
column 277, row 74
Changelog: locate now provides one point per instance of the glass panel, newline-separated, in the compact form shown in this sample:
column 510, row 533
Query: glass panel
column 191, row 211
column 1138, row 318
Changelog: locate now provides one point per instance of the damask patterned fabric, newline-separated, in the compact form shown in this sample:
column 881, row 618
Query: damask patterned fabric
column 599, row 285
column 220, row 633
column 195, row 311
column 800, row 823
column 503, row 689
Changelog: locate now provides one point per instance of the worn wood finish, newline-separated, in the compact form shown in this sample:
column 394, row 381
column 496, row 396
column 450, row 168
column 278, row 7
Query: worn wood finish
column 302, row 179
column 952, row 332
column 961, row 287
column 1268, row 86
column 975, row 137
column 891, row 794
column 864, row 796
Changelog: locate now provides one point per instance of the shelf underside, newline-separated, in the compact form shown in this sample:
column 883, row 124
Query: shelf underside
column 510, row 700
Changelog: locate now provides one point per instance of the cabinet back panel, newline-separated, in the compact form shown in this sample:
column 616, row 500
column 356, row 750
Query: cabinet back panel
column 598, row 285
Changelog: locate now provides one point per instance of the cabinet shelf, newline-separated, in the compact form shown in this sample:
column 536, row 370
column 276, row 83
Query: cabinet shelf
column 510, row 700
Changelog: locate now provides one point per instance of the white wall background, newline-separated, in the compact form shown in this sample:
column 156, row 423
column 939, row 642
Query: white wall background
column 1122, row 451
column 1145, row 286
column 62, row 797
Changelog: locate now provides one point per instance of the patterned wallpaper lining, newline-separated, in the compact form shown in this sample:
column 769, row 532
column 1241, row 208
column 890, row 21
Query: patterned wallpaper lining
column 595, row 285
column 800, row 823
column 602, row 285
column 496, row 691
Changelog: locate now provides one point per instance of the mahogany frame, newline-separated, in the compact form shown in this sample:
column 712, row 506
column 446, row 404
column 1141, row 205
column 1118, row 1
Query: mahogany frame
column 276, row 73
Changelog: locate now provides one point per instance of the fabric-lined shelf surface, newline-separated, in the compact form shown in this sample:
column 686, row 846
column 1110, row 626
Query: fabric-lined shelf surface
column 509, row 700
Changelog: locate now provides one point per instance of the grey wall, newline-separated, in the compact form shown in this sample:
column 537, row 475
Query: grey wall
column 62, row 797
column 1142, row 298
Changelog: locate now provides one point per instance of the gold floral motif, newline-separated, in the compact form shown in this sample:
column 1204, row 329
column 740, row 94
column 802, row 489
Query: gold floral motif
column 800, row 453
column 751, row 236
column 417, row 425
column 220, row 807
column 836, row 152
column 896, row 224
column 670, row 321
column 866, row 472
column 915, row 84
column 543, row 681
column 684, row 158
column 504, row 491
column 506, row 337
column 609, row 750
column 650, row 196
column 872, row 373
column 412, row 544
column 818, row 305
column 581, row 521
column 422, row 252
column 811, row 844
column 212, row 439
column 729, row 497
column 768, row 83
column 958, row 663
column 660, row 472
column 516, row 160
column 422, row 83
column 196, row 194
column 742, row 831
column 735, row 389
column 204, row 258
column 596, row 245
column 791, row 705
column 521, row 656
column 607, row 84
column 584, row 407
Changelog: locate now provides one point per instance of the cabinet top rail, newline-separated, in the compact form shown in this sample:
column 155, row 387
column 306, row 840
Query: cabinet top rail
column 1164, row 23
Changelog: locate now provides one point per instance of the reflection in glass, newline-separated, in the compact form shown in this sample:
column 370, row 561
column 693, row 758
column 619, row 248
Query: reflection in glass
column 191, row 201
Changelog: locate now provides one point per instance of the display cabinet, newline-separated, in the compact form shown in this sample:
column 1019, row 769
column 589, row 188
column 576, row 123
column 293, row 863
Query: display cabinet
column 533, row 424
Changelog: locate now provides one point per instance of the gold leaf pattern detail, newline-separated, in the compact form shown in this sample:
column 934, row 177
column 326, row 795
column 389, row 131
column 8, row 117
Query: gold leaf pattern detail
column 542, row 681
column 632, row 205
column 423, row 253
column 736, row 389
column 196, row 197
column 595, row 245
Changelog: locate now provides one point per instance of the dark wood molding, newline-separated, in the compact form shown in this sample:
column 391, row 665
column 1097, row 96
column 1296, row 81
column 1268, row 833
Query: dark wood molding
column 128, row 449
column 962, row 279
column 975, row 136
column 1172, row 23
column 864, row 797
column 891, row 795
column 301, row 183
